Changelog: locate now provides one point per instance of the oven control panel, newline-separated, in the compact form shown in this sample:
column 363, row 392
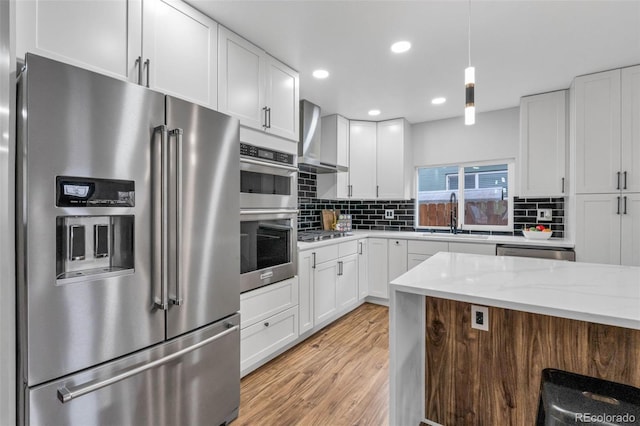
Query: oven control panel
column 266, row 154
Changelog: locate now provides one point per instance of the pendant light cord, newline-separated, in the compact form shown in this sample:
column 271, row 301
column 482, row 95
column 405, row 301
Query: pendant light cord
column 469, row 33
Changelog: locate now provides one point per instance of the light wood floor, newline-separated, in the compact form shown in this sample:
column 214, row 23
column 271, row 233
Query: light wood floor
column 338, row 376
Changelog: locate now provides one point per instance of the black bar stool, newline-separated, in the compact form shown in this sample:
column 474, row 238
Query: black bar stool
column 572, row 399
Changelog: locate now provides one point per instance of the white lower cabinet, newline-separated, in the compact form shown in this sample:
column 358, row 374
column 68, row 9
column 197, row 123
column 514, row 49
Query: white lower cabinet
column 378, row 268
column 268, row 322
column 305, row 292
column 419, row 251
column 473, row 248
column 363, row 268
column 347, row 285
column 397, row 259
column 324, row 291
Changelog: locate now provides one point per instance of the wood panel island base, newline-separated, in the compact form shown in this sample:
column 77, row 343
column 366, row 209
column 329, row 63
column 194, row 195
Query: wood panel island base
column 578, row 317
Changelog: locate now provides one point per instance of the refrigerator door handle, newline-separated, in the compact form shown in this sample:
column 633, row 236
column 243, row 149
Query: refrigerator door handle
column 160, row 220
column 66, row 394
column 177, row 300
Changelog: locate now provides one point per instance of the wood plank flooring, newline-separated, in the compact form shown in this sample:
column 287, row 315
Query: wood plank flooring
column 338, row 376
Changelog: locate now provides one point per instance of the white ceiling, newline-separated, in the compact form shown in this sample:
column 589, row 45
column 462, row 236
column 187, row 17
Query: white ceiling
column 518, row 48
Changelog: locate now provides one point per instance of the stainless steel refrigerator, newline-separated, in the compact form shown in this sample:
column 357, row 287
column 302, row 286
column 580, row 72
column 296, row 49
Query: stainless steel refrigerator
column 128, row 254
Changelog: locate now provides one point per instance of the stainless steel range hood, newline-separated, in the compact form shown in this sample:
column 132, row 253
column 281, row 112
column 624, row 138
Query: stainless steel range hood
column 310, row 146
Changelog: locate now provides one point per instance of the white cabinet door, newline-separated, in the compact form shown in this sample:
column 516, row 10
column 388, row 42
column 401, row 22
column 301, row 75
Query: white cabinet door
column 282, row 94
column 363, row 268
column 414, row 260
column 362, row 159
column 305, row 290
column 397, row 258
column 630, row 232
column 240, row 79
column 631, row 129
column 101, row 35
column 390, row 163
column 180, row 45
column 597, row 132
column 543, row 144
column 347, row 284
column 324, row 291
column 378, row 268
column 598, row 228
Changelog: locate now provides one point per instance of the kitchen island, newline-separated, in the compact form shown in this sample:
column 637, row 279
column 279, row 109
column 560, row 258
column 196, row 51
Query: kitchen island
column 541, row 313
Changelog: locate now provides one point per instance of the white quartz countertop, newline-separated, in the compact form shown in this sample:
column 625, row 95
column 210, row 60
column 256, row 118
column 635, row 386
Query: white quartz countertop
column 599, row 293
column 427, row 236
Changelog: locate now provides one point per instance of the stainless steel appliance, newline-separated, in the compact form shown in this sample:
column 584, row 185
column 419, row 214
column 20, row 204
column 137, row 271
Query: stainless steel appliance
column 312, row 150
column 127, row 247
column 268, row 247
column 320, row 235
column 268, row 178
column 556, row 253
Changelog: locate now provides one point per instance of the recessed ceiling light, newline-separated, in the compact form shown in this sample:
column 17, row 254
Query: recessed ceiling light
column 374, row 112
column 321, row 74
column 438, row 101
column 400, row 46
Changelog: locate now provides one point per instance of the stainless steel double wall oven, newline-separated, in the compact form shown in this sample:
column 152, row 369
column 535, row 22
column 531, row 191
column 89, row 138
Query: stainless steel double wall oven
column 268, row 216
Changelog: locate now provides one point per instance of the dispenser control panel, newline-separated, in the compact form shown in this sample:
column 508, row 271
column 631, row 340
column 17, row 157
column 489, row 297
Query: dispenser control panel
column 92, row 192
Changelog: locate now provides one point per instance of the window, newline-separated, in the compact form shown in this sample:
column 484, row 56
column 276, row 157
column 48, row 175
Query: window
column 483, row 197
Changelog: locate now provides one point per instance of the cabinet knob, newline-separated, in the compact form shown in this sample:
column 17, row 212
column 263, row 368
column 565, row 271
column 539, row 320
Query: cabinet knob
column 266, row 324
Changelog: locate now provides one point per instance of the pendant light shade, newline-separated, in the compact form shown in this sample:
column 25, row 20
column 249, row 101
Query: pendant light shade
column 469, row 85
column 469, row 105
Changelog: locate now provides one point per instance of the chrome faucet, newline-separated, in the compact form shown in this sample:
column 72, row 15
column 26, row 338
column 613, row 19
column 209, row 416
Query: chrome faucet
column 453, row 220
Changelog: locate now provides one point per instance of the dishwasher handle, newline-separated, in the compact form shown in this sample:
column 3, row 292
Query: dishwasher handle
column 556, row 253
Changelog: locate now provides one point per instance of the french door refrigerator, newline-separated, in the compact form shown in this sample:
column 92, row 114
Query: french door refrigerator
column 128, row 253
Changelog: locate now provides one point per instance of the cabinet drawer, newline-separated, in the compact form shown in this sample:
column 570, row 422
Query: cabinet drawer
column 264, row 302
column 477, row 248
column 347, row 248
column 260, row 340
column 427, row 247
column 326, row 253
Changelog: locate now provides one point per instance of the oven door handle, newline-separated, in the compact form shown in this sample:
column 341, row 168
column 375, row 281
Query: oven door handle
column 274, row 227
column 270, row 211
column 265, row 164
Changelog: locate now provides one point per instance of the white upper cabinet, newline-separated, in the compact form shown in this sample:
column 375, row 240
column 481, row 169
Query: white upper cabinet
column 100, row 35
column 362, row 159
column 282, row 99
column 597, row 132
column 393, row 160
column 631, row 129
column 163, row 44
column 256, row 88
column 543, row 145
column 180, row 51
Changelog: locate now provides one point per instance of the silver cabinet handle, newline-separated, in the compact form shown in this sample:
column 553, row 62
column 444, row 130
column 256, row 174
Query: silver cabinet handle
column 618, row 187
column 350, row 190
column 264, row 122
column 269, row 118
column 159, row 181
column 139, row 66
column 360, row 248
column 313, row 260
column 177, row 300
column 562, row 186
column 618, row 212
column 65, row 394
column 625, row 205
column 147, row 64
column 340, row 266
column 625, row 180
column 377, row 191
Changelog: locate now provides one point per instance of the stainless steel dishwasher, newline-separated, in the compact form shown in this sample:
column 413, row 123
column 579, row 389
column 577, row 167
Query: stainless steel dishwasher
column 557, row 253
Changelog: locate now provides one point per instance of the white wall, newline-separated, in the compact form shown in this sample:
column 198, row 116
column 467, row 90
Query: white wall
column 494, row 136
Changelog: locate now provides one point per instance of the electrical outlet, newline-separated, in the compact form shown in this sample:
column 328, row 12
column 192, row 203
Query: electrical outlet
column 544, row 215
column 388, row 214
column 480, row 317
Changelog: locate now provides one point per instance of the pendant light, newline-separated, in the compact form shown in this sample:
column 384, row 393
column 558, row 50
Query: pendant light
column 469, row 84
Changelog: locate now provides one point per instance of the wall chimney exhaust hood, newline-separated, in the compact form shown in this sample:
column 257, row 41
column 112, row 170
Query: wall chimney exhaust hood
column 310, row 147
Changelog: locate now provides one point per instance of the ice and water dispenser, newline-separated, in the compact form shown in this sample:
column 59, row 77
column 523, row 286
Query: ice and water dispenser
column 91, row 245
